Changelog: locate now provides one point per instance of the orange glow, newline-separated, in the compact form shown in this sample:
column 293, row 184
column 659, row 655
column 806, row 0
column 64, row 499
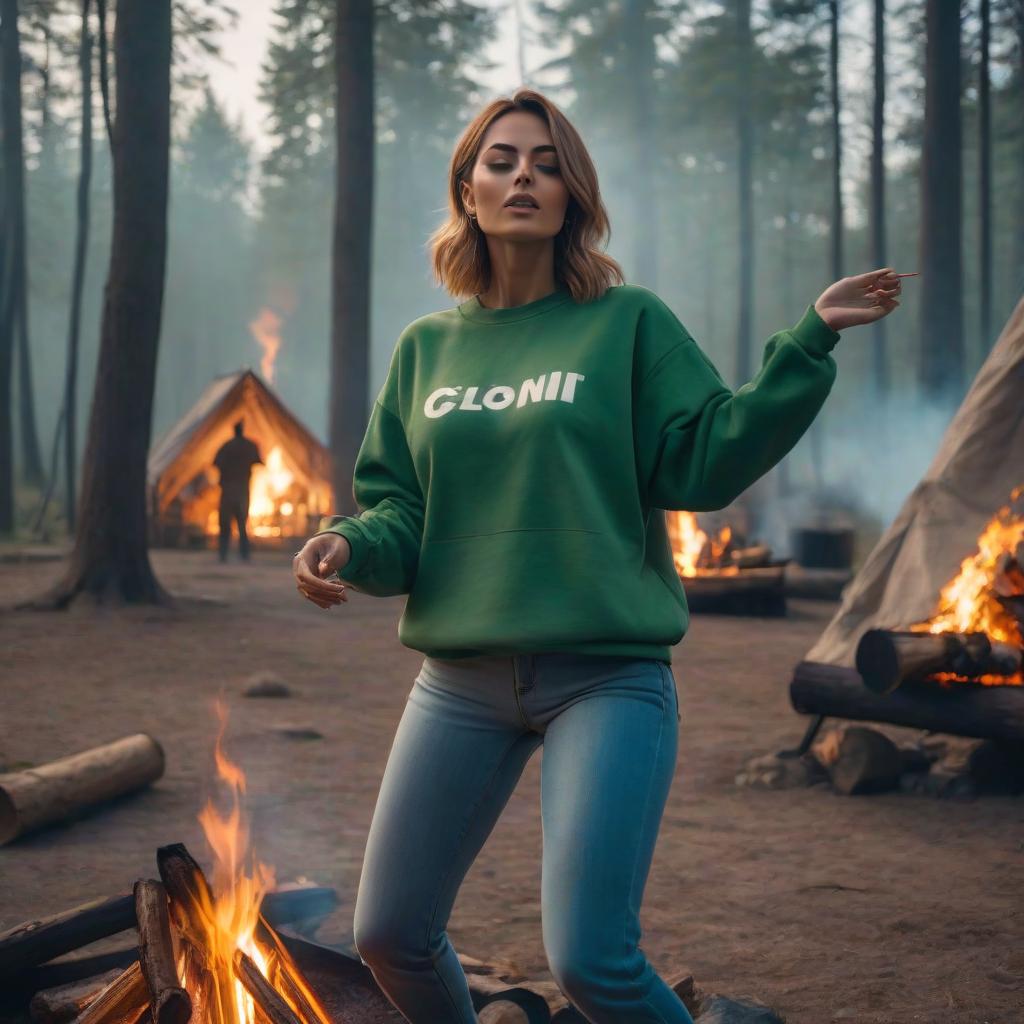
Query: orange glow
column 694, row 552
column 266, row 329
column 229, row 918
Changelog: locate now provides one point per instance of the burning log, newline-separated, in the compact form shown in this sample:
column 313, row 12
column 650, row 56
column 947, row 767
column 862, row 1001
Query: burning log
column 40, row 796
column 65, row 1002
column 182, row 876
column 170, row 1002
column 963, row 709
column 124, row 1000
column 37, row 941
column 887, row 658
column 270, row 1004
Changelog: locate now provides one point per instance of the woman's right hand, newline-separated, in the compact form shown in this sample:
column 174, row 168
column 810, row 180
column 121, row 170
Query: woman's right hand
column 317, row 559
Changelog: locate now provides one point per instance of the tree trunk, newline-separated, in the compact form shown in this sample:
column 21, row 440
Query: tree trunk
column 351, row 255
column 14, row 203
column 941, row 344
column 745, row 131
column 985, row 183
column 78, row 275
column 110, row 558
column 878, row 232
column 8, row 57
column 641, row 60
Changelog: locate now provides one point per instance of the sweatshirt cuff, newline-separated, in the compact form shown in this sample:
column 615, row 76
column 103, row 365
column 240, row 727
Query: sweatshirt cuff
column 350, row 528
column 814, row 334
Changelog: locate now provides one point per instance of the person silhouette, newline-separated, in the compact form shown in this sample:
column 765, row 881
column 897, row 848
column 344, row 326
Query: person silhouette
column 235, row 459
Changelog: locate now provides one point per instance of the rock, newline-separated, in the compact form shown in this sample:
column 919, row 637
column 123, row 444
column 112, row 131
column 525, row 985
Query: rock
column 914, row 782
column 298, row 732
column 266, row 684
column 997, row 766
column 914, row 758
column 722, row 1010
column 688, row 992
column 769, row 771
column 502, row 1012
column 569, row 1015
column 941, row 783
column 866, row 761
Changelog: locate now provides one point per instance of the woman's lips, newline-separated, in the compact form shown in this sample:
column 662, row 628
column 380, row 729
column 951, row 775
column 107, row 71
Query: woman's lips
column 522, row 209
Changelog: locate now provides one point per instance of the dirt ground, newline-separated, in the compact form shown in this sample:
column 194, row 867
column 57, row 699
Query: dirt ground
column 896, row 908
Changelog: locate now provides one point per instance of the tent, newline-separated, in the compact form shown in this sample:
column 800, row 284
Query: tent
column 288, row 494
column 979, row 463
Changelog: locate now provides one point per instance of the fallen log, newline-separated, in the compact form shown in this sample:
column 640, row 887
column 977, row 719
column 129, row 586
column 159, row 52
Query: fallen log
column 65, row 1002
column 961, row 709
column 888, row 658
column 38, row 941
column 124, row 1000
column 39, row 796
column 170, row 1002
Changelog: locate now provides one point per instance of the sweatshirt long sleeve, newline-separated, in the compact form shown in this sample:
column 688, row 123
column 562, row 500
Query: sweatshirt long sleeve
column 517, row 462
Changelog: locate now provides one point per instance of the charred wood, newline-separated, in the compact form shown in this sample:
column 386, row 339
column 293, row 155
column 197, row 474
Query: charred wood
column 124, row 1000
column 65, row 1002
column 170, row 1002
column 269, row 1003
column 887, row 658
column 38, row 941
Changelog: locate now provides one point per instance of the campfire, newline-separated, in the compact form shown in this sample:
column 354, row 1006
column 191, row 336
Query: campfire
column 721, row 572
column 206, row 952
column 976, row 633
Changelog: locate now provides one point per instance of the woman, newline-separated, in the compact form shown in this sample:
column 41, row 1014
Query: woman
column 511, row 479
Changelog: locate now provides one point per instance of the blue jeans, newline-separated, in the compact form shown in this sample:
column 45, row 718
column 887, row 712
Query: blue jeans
column 609, row 726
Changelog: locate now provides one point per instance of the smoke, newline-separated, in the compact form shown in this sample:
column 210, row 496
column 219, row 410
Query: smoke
column 872, row 457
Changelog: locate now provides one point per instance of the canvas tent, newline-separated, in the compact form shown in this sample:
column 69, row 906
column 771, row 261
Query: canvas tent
column 980, row 460
column 287, row 495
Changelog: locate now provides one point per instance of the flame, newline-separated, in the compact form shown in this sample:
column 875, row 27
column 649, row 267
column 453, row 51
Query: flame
column 694, row 553
column 229, row 919
column 269, row 485
column 266, row 329
column 969, row 603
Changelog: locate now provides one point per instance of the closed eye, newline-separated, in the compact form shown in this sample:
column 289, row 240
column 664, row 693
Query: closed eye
column 546, row 168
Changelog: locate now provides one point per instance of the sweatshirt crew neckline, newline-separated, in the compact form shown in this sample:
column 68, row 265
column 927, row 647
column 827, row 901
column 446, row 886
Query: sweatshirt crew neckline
column 473, row 310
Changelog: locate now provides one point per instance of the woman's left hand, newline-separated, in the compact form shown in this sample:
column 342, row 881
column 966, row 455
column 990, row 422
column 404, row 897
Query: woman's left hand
column 861, row 299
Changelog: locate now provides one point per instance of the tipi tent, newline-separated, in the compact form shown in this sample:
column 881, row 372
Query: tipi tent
column 287, row 495
column 979, row 462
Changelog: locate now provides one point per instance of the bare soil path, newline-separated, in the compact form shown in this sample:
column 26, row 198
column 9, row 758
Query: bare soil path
column 891, row 909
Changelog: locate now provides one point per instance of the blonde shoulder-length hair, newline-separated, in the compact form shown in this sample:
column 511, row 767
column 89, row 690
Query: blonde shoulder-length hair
column 458, row 248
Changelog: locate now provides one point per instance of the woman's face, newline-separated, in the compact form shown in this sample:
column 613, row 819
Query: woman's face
column 517, row 155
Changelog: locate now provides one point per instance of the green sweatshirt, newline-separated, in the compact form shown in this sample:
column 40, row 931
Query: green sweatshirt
column 517, row 461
